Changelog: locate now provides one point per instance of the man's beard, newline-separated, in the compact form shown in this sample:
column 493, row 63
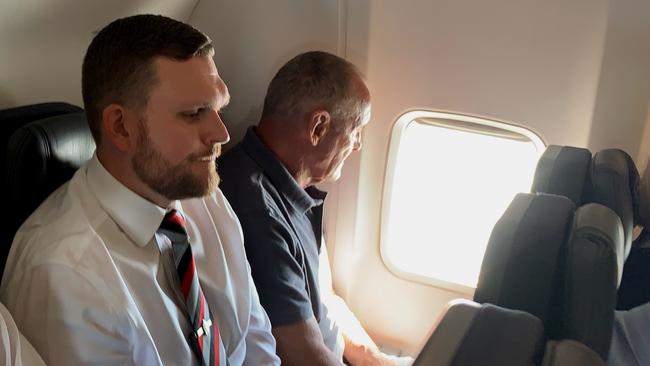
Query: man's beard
column 173, row 182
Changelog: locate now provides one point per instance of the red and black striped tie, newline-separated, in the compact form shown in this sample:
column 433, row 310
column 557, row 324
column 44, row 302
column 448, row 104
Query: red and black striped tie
column 205, row 338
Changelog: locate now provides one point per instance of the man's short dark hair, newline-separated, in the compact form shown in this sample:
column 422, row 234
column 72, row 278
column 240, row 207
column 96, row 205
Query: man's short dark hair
column 118, row 67
column 311, row 80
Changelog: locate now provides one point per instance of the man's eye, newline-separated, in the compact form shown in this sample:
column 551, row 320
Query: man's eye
column 193, row 114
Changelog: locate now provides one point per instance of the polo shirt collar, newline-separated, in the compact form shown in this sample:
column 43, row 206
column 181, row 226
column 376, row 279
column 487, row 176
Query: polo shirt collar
column 301, row 199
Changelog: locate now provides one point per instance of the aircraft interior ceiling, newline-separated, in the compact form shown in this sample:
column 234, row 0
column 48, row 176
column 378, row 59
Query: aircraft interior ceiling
column 574, row 72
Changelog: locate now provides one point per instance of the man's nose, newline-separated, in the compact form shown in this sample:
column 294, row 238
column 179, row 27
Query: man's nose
column 216, row 132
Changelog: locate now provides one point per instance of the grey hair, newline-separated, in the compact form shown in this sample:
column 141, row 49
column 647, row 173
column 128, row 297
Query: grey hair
column 312, row 80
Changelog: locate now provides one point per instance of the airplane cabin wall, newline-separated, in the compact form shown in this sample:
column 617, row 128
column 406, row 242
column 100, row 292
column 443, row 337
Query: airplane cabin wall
column 42, row 43
column 624, row 87
column 549, row 66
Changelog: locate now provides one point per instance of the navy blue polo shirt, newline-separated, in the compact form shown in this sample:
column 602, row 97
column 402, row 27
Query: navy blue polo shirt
column 282, row 226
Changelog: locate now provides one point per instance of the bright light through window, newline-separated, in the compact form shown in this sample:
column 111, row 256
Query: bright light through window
column 449, row 180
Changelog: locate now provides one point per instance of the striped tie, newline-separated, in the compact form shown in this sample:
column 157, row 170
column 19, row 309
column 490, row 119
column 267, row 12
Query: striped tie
column 206, row 331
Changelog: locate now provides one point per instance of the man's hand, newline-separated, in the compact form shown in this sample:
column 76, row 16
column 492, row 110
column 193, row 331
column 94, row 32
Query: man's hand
column 401, row 360
column 362, row 355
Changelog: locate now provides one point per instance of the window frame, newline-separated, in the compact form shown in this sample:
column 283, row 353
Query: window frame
column 436, row 118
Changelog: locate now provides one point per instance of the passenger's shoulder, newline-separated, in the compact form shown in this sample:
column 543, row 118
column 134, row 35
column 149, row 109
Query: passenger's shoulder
column 60, row 231
column 244, row 187
column 237, row 167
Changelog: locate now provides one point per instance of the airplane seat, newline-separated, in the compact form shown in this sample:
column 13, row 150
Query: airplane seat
column 593, row 265
column 15, row 349
column 13, row 118
column 570, row 353
column 520, row 267
column 41, row 156
column 611, row 179
column 558, row 264
column 564, row 171
column 614, row 184
column 473, row 334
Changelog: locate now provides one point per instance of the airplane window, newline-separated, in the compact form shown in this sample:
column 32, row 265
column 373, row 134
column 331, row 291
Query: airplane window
column 449, row 178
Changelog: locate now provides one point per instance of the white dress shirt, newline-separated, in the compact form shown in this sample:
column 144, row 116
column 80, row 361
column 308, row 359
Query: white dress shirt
column 88, row 279
column 15, row 350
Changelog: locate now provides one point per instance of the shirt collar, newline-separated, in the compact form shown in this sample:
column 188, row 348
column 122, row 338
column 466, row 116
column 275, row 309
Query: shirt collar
column 136, row 216
column 301, row 199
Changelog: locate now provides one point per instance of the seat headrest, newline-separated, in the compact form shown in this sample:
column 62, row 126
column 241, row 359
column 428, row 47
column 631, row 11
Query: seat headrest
column 594, row 265
column 13, row 118
column 473, row 334
column 519, row 269
column 614, row 184
column 564, row 171
column 570, row 353
column 41, row 156
column 602, row 227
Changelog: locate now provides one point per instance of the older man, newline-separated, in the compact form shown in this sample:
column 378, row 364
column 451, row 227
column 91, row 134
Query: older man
column 139, row 259
column 314, row 112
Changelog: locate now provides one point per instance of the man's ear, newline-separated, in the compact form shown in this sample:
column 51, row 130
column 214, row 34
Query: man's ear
column 319, row 124
column 117, row 127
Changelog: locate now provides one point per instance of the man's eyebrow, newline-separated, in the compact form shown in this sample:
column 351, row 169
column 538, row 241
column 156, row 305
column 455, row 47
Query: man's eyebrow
column 211, row 105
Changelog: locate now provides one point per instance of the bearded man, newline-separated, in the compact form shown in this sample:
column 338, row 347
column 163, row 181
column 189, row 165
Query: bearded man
column 139, row 260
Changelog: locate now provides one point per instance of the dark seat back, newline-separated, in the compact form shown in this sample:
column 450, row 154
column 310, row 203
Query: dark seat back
column 560, row 265
column 593, row 266
column 13, row 118
column 472, row 334
column 564, row 171
column 520, row 268
column 614, row 183
column 41, row 156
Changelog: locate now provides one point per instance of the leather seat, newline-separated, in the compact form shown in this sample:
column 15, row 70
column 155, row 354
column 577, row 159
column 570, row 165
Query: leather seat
column 559, row 264
column 41, row 156
column 570, row 353
column 593, row 267
column 520, row 268
column 13, row 118
column 472, row 334
column 614, row 183
column 611, row 179
column 564, row 171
